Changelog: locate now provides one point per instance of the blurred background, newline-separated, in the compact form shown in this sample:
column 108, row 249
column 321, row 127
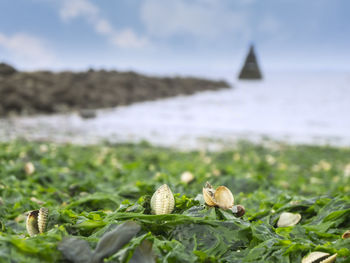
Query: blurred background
column 168, row 71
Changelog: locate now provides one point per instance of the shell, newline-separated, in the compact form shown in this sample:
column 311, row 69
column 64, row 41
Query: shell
column 208, row 195
column 224, row 197
column 29, row 168
column 32, row 223
column 288, row 219
column 317, row 256
column 346, row 234
column 36, row 221
column 162, row 201
column 238, row 210
column 42, row 219
column 187, row 177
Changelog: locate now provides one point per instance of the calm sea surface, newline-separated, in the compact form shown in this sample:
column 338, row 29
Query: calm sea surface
column 311, row 108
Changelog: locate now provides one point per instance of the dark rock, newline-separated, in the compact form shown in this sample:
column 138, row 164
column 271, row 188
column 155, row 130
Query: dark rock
column 87, row 114
column 6, row 70
column 48, row 92
column 250, row 68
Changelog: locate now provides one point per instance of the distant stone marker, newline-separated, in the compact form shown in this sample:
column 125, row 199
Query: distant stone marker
column 250, row 68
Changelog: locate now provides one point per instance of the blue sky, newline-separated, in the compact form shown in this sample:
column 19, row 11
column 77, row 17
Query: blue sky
column 175, row 36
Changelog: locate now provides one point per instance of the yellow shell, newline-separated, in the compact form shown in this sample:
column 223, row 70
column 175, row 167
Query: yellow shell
column 36, row 221
column 317, row 256
column 208, row 195
column 162, row 201
column 288, row 219
column 224, row 197
column 221, row 197
column 32, row 223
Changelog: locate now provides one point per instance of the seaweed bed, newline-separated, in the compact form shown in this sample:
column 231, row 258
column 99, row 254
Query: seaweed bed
column 98, row 199
column 49, row 92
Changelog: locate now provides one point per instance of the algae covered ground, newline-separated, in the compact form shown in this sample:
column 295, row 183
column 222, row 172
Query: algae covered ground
column 98, row 199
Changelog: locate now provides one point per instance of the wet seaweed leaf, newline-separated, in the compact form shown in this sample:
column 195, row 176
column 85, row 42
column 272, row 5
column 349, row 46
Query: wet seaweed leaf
column 114, row 240
column 76, row 250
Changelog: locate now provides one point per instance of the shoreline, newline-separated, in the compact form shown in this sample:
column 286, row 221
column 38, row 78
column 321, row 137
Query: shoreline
column 30, row 93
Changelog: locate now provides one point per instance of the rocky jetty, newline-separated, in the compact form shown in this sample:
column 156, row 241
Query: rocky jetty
column 49, row 92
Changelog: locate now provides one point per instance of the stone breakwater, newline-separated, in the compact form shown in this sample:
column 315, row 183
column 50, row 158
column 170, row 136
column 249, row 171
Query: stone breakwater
column 49, row 92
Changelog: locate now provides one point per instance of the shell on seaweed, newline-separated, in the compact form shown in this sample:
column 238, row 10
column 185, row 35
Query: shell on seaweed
column 320, row 257
column 162, row 201
column 221, row 197
column 288, row 219
column 187, row 177
column 29, row 168
column 36, row 221
column 346, row 234
column 224, row 197
column 208, row 195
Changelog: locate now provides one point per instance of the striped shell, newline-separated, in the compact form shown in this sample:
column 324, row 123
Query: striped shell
column 37, row 221
column 221, row 197
column 162, row 201
column 320, row 257
column 288, row 219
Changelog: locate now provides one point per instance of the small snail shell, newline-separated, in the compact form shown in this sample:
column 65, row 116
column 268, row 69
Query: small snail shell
column 288, row 219
column 321, row 257
column 37, row 221
column 221, row 197
column 162, row 201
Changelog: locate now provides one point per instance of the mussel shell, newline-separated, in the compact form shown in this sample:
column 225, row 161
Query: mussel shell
column 224, row 198
column 162, row 201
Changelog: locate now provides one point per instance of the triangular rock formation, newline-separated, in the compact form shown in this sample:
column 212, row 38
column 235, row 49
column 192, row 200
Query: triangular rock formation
column 250, row 68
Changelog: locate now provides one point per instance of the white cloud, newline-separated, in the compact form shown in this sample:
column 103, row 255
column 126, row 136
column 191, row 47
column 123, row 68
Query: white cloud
column 123, row 38
column 27, row 50
column 75, row 8
column 197, row 18
column 127, row 38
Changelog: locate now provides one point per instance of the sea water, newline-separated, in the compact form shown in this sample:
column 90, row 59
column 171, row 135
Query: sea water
column 302, row 108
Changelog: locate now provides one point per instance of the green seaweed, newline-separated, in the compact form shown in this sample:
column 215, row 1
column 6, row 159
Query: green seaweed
column 91, row 191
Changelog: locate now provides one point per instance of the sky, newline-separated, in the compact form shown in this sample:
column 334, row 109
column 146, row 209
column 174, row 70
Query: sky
column 188, row 37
